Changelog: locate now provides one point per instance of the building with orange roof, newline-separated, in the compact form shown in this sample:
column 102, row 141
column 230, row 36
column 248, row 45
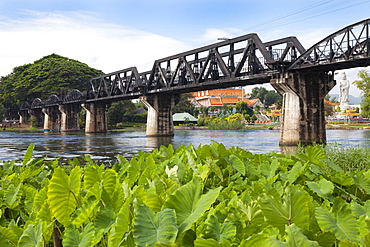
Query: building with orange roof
column 220, row 97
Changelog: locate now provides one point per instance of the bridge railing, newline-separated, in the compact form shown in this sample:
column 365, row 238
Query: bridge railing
column 347, row 48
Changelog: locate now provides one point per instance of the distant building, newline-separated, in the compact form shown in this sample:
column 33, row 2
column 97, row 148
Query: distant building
column 182, row 118
column 220, row 97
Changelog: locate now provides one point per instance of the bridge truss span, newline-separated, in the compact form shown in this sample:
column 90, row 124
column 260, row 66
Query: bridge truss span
column 125, row 83
column 233, row 62
column 346, row 48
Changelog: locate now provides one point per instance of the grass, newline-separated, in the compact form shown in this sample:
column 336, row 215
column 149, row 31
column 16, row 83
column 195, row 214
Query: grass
column 349, row 158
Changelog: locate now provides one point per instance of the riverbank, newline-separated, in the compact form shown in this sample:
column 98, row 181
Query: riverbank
column 271, row 126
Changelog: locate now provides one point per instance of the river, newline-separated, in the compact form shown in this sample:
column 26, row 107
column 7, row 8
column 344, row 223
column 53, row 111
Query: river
column 105, row 147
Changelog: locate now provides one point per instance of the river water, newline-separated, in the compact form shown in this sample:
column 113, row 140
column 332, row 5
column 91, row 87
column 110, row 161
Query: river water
column 105, row 147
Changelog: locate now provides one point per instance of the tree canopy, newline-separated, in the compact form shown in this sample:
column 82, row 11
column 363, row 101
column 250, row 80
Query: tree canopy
column 268, row 97
column 51, row 74
column 184, row 104
column 364, row 85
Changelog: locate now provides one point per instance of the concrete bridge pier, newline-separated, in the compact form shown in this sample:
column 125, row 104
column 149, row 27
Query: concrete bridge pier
column 70, row 114
column 51, row 118
column 303, row 106
column 159, row 121
column 96, row 117
column 23, row 116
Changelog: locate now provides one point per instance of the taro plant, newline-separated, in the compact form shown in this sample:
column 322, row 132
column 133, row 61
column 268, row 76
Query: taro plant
column 194, row 196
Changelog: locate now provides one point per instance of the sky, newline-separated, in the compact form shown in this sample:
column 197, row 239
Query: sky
column 111, row 35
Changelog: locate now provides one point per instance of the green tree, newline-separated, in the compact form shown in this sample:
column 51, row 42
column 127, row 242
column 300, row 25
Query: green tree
column 117, row 111
column 204, row 110
column 2, row 112
column 364, row 85
column 52, row 74
column 242, row 107
column 268, row 97
column 271, row 97
column 258, row 93
column 184, row 104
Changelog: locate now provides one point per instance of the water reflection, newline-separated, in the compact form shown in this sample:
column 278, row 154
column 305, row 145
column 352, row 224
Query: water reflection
column 106, row 146
column 157, row 141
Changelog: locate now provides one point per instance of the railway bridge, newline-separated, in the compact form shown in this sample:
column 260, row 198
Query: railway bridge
column 303, row 77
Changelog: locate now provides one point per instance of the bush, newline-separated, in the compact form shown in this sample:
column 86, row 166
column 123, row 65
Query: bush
column 224, row 125
column 234, row 117
column 203, row 121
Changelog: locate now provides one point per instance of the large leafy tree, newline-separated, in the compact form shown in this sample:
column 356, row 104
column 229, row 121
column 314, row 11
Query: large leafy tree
column 51, row 74
column 258, row 92
column 268, row 97
column 117, row 111
column 364, row 85
column 184, row 104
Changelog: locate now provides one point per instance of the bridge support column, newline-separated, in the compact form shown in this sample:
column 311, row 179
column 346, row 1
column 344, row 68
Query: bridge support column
column 70, row 117
column 159, row 121
column 51, row 118
column 23, row 116
column 96, row 117
column 303, row 106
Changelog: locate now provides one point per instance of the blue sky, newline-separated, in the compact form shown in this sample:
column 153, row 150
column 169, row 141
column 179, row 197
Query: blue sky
column 115, row 34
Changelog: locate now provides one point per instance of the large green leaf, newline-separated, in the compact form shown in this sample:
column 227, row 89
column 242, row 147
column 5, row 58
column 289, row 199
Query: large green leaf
column 323, row 188
column 295, row 237
column 150, row 227
column 63, row 192
column 218, row 231
column 105, row 218
column 313, row 155
column 340, row 222
column 362, row 181
column 9, row 234
column 85, row 212
column 28, row 154
column 236, row 163
column 32, row 236
column 109, row 180
column 296, row 171
column 92, row 175
column 148, row 172
column 189, row 204
column 12, row 195
column 293, row 209
column 199, row 242
column 74, row 238
column 121, row 226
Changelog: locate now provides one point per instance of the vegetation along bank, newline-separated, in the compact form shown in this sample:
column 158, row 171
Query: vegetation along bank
column 194, row 196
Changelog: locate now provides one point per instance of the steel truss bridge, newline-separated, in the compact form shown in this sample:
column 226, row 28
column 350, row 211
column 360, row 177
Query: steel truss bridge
column 240, row 61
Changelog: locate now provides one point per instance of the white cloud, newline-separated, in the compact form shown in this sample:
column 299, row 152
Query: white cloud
column 211, row 35
column 81, row 36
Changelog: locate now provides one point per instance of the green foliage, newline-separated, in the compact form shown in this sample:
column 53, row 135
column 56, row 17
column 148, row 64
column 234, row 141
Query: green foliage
column 204, row 196
column 268, row 97
column 364, row 85
column 151, row 228
column 203, row 121
column 2, row 112
column 118, row 110
column 51, row 74
column 33, row 121
column 184, row 104
column 237, row 117
column 242, row 107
